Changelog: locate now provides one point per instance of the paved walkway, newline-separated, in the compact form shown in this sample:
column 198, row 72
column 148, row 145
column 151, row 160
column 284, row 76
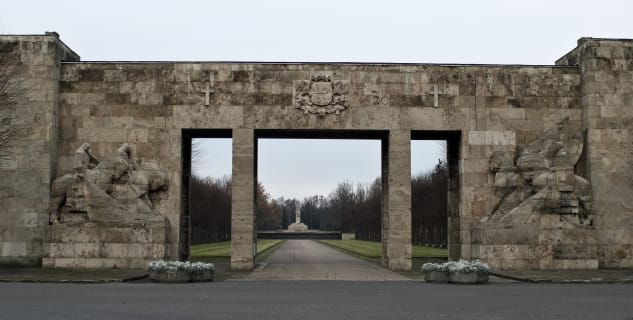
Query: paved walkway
column 310, row 260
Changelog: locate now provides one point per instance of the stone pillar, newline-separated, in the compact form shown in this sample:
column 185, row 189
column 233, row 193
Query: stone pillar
column 33, row 64
column 455, row 231
column 243, row 201
column 607, row 91
column 396, row 221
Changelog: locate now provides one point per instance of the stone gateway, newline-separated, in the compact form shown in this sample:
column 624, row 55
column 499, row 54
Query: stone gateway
column 540, row 158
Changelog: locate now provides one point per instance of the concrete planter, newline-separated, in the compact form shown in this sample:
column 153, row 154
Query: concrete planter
column 171, row 276
column 202, row 276
column 468, row 277
column 436, row 276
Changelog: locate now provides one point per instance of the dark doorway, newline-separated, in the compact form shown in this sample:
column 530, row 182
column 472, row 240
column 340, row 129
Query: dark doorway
column 206, row 186
column 435, row 195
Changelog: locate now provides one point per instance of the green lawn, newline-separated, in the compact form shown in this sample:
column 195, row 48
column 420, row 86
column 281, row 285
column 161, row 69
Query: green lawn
column 427, row 252
column 223, row 249
column 372, row 249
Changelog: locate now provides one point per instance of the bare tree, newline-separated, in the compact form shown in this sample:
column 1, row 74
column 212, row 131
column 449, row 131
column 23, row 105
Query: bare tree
column 443, row 146
column 210, row 209
column 428, row 206
column 9, row 100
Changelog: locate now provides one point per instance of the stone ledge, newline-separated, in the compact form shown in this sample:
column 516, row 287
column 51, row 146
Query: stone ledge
column 111, row 232
column 96, row 263
column 105, row 244
column 568, row 276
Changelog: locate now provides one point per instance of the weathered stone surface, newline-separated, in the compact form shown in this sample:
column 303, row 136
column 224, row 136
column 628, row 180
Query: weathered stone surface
column 321, row 95
column 492, row 110
column 541, row 181
column 396, row 228
column 90, row 244
column 243, row 233
column 26, row 173
column 112, row 189
column 539, row 192
column 104, row 215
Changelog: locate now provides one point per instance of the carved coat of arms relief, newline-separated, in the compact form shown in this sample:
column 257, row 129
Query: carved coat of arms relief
column 321, row 95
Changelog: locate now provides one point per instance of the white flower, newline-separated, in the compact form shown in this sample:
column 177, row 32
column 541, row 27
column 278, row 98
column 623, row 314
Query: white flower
column 463, row 266
column 165, row 266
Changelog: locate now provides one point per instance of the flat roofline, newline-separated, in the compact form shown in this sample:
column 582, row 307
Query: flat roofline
column 49, row 35
column 605, row 39
column 412, row 64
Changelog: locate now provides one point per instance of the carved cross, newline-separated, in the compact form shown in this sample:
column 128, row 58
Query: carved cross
column 436, row 94
column 208, row 91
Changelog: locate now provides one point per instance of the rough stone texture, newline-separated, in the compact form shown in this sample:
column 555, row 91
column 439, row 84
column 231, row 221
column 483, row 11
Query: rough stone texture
column 105, row 244
column 243, row 226
column 103, row 214
column 396, row 220
column 607, row 104
column 25, row 178
column 491, row 108
column 115, row 188
column 538, row 193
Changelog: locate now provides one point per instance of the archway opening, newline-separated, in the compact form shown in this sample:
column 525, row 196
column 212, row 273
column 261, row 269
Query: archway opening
column 435, row 224
column 323, row 186
column 205, row 225
column 429, row 189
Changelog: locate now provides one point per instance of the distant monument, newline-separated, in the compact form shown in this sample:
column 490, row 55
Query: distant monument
column 297, row 226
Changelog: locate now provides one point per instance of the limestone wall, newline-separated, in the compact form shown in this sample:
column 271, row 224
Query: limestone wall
column 482, row 109
column 25, row 175
column 147, row 105
column 607, row 102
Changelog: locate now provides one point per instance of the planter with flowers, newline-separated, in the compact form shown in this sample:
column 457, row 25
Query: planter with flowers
column 179, row 271
column 435, row 272
column 461, row 271
column 464, row 271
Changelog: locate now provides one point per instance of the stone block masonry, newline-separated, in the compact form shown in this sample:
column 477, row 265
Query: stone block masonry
column 493, row 109
column 29, row 162
column 105, row 245
column 607, row 105
column 243, row 227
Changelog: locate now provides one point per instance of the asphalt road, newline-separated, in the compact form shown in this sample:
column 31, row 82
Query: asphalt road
column 310, row 260
column 315, row 300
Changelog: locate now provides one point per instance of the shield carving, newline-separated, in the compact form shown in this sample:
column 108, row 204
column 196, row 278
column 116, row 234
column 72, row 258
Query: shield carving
column 321, row 93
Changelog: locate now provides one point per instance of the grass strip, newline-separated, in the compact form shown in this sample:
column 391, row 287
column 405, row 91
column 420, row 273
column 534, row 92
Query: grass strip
column 262, row 254
column 372, row 249
column 223, row 249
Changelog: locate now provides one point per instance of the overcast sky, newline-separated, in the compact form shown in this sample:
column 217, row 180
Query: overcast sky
column 298, row 168
column 442, row 31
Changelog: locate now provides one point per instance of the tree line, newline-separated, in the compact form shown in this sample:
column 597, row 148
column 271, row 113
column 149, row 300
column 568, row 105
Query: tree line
column 348, row 208
column 429, row 207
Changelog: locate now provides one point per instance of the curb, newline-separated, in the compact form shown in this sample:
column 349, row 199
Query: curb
column 572, row 281
column 509, row 277
column 83, row 281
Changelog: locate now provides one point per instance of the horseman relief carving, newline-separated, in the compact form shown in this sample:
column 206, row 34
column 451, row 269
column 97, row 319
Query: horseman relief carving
column 112, row 189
